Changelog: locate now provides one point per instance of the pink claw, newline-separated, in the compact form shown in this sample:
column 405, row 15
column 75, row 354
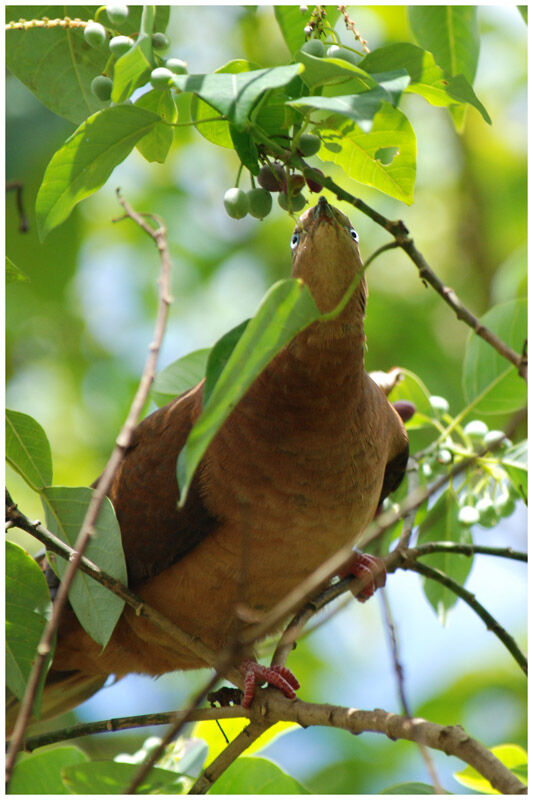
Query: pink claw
column 280, row 677
column 368, row 567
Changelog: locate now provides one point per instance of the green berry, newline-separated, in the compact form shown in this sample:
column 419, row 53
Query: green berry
column 160, row 41
column 487, row 513
column 468, row 515
column 314, row 47
column 101, row 87
column 494, row 439
column 504, row 505
column 345, row 55
column 308, row 144
column 271, row 177
column 161, row 77
column 177, row 66
column 439, row 404
column 120, row 45
column 94, row 34
column 260, row 203
column 476, row 429
column 297, row 202
column 236, row 203
column 116, row 14
column 444, row 457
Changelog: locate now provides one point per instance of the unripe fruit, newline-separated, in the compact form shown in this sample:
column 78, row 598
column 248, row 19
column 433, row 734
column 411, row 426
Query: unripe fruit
column 476, row 429
column 120, row 45
column 94, row 34
column 487, row 514
column 308, row 144
column 297, row 202
column 271, row 177
column 308, row 30
column 161, row 77
column 160, row 41
column 259, row 202
column 314, row 186
column 494, row 439
column 314, row 47
column 296, row 183
column 345, row 55
column 236, row 203
column 177, row 66
column 504, row 506
column 116, row 14
column 468, row 515
column 439, row 404
column 444, row 457
column 101, row 87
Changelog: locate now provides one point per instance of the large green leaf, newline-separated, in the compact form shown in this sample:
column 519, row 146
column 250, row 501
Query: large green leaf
column 132, row 69
column 180, row 376
column 441, row 524
column 292, row 23
column 41, row 772
column 217, row 132
column 28, row 449
column 113, row 777
column 235, row 95
column 156, row 144
column 451, row 33
column 27, row 606
column 360, row 154
column 253, row 775
column 219, row 357
column 323, row 71
column 427, row 79
column 286, row 309
column 87, row 159
column 96, row 607
column 491, row 383
column 515, row 463
column 56, row 63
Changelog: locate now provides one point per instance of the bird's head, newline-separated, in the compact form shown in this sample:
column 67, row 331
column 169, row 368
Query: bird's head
column 325, row 255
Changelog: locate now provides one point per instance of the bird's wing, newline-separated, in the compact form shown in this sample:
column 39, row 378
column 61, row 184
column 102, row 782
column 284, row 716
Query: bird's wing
column 155, row 533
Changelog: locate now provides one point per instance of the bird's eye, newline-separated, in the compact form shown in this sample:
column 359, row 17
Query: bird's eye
column 295, row 238
column 354, row 234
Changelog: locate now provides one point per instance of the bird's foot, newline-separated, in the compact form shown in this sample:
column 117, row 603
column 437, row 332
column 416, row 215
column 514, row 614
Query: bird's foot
column 254, row 673
column 369, row 568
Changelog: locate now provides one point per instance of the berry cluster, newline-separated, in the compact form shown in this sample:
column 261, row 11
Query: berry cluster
column 96, row 35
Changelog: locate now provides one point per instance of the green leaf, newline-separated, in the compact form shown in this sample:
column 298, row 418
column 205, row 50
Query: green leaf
column 56, row 64
column 411, row 787
column 113, row 777
column 515, row 463
column 412, row 388
column 523, row 12
column 292, row 23
column 287, row 308
column 216, row 132
column 28, row 449
column 256, row 776
column 14, row 274
column 27, row 607
column 132, row 69
column 358, row 153
column 180, row 376
column 235, row 95
column 427, row 79
column 491, row 384
column 210, row 733
column 96, row 607
column 451, row 33
column 245, row 148
column 324, row 71
column 156, row 144
column 441, row 524
column 40, row 773
column 219, row 356
column 512, row 755
column 87, row 159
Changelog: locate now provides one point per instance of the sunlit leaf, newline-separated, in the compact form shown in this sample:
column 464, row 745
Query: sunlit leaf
column 27, row 606
column 217, row 132
column 491, row 383
column 41, row 772
column 256, row 776
column 87, row 159
column 156, row 144
column 286, row 309
column 113, row 777
column 451, row 33
column 28, row 449
column 132, row 69
column 512, row 755
column 96, row 607
column 210, row 732
column 180, row 376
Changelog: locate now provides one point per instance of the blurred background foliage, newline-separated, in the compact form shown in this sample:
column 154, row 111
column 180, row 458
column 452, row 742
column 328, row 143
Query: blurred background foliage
column 77, row 336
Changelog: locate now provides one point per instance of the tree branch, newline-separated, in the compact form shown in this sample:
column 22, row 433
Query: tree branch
column 101, row 490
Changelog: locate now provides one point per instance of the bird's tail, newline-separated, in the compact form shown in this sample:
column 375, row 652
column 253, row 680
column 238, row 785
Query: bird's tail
column 62, row 692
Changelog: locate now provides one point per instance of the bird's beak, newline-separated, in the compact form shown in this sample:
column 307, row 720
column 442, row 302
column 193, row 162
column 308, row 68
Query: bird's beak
column 322, row 210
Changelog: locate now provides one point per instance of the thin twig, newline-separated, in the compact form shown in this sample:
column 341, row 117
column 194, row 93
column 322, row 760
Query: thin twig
column 101, row 490
column 465, row 550
column 492, row 625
